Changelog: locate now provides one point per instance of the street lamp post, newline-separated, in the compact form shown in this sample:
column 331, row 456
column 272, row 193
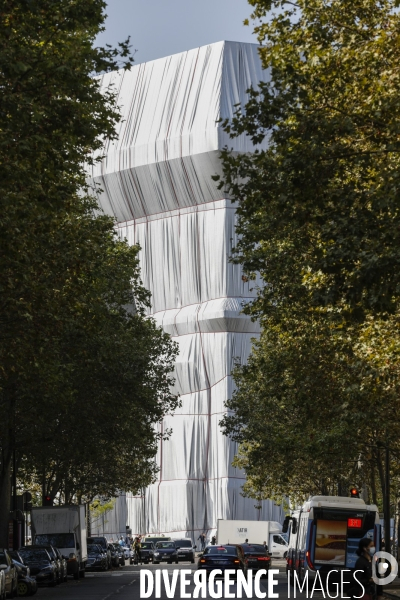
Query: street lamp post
column 387, row 499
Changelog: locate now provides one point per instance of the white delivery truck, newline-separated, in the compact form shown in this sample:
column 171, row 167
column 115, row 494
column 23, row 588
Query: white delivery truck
column 63, row 527
column 256, row 532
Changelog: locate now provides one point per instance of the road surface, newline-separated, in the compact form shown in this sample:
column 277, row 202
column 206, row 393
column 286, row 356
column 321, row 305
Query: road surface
column 124, row 584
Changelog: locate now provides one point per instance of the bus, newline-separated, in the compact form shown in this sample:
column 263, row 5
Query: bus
column 324, row 534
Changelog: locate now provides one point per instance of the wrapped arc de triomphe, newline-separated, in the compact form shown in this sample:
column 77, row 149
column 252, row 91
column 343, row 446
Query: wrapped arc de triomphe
column 156, row 179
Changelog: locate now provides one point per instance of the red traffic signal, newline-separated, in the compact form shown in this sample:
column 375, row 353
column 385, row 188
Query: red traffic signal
column 354, row 493
column 47, row 501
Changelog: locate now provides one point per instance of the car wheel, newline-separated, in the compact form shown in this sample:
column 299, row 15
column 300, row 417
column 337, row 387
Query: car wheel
column 156, row 562
column 65, row 578
column 192, row 561
column 177, row 561
column 23, row 588
column 53, row 583
column 82, row 573
column 76, row 576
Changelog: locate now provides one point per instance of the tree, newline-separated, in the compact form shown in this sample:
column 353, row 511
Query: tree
column 82, row 371
column 318, row 215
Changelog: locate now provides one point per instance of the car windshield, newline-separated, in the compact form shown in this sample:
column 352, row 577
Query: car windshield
column 93, row 549
column 147, row 546
column 52, row 553
column 249, row 548
column 165, row 545
column 57, row 540
column 35, row 555
column 183, row 543
column 99, row 540
column 220, row 550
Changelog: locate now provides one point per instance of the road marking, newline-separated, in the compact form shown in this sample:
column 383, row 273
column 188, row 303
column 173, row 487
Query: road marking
column 117, row 591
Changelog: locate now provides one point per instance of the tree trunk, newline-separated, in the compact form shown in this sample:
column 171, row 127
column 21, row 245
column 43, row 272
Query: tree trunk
column 5, row 497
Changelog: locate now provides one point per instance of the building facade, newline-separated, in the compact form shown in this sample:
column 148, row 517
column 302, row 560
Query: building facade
column 156, row 179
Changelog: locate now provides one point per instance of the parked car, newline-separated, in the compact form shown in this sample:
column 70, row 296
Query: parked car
column 114, row 555
column 257, row 556
column 223, row 557
column 186, row 549
column 2, row 586
column 101, row 541
column 64, row 565
column 97, row 558
column 54, row 557
column 10, row 573
column 121, row 554
column 127, row 552
column 165, row 552
column 27, row 585
column 40, row 564
column 147, row 552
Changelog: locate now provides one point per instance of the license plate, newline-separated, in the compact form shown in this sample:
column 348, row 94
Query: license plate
column 165, row 556
column 221, row 562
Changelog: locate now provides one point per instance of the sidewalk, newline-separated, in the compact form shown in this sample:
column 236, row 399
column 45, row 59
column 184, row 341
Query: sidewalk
column 392, row 590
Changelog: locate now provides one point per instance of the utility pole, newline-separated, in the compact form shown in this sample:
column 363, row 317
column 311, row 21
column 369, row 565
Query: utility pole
column 387, row 497
column 14, row 503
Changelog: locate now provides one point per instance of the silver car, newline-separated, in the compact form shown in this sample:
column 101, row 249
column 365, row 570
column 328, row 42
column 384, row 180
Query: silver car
column 10, row 573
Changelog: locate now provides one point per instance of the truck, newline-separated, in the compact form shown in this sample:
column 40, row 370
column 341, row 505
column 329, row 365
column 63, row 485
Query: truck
column 256, row 532
column 63, row 527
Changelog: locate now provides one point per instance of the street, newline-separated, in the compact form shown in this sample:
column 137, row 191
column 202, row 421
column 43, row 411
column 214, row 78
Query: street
column 124, row 584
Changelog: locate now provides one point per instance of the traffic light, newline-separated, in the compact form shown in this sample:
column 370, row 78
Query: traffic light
column 354, row 493
column 47, row 501
column 27, row 501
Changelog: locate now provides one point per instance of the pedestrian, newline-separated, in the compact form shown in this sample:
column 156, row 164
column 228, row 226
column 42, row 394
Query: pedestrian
column 363, row 567
column 213, row 540
column 246, row 541
column 202, row 538
column 121, row 541
column 137, row 546
column 265, row 546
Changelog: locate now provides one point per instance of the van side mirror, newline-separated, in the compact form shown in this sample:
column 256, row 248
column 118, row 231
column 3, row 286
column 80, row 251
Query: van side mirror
column 294, row 525
column 285, row 525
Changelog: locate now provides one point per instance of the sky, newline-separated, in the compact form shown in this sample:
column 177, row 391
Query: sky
column 162, row 27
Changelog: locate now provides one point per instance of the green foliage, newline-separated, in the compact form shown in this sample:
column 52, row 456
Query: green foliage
column 84, row 375
column 319, row 222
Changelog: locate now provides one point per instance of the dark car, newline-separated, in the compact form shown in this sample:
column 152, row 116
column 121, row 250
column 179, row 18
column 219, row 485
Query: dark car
column 27, row 585
column 257, row 556
column 10, row 572
column 101, row 541
column 147, row 551
column 97, row 558
column 114, row 555
column 121, row 554
column 54, row 557
column 64, row 565
column 165, row 552
column 185, row 549
column 40, row 564
column 223, row 557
